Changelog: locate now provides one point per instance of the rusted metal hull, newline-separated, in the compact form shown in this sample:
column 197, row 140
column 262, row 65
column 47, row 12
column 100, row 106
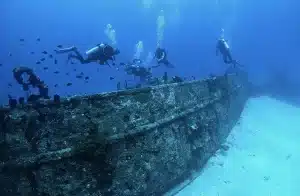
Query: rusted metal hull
column 135, row 142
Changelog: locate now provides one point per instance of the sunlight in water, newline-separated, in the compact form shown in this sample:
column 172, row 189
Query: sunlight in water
column 139, row 48
column 149, row 59
column 147, row 3
column 160, row 28
column 111, row 34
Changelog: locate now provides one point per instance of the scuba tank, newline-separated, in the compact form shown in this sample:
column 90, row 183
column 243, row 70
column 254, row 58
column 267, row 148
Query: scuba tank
column 94, row 50
column 225, row 44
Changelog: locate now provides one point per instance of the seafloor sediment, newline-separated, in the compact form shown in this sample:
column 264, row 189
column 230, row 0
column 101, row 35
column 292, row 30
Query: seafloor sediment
column 134, row 142
column 263, row 151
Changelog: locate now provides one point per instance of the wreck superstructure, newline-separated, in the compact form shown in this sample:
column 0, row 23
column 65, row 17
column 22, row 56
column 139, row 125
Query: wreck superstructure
column 134, row 142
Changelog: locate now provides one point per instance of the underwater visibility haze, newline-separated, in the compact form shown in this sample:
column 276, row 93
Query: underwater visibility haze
column 137, row 41
column 262, row 35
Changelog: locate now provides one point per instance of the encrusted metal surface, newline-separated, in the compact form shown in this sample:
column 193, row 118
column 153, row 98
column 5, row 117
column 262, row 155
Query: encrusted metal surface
column 135, row 142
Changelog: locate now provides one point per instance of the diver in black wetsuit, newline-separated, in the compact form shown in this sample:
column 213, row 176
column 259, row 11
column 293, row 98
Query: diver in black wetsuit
column 224, row 49
column 100, row 53
column 161, row 58
column 18, row 72
column 137, row 69
column 33, row 80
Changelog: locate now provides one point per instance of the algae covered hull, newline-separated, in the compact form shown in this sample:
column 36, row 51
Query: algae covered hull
column 134, row 142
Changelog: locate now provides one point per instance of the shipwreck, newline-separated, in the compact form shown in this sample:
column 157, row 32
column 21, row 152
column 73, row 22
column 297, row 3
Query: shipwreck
column 142, row 141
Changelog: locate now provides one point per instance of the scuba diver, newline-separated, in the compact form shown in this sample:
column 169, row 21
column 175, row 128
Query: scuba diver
column 161, row 58
column 100, row 53
column 137, row 69
column 223, row 48
column 33, row 80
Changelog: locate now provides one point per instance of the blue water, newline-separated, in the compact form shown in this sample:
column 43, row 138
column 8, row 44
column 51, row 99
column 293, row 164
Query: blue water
column 262, row 35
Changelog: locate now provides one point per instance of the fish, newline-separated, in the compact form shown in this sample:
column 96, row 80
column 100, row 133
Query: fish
column 55, row 61
column 74, row 69
column 22, row 40
column 69, row 84
column 56, row 85
column 31, row 52
column 72, row 63
column 79, row 76
column 114, row 64
column 67, row 74
column 38, row 63
column 10, row 54
column 56, row 72
column 38, row 39
column 111, row 78
column 1, row 64
column 81, row 73
column 9, row 84
column 45, row 52
column 86, row 78
column 46, row 68
column 50, row 56
column 43, row 59
column 122, row 64
column 59, row 46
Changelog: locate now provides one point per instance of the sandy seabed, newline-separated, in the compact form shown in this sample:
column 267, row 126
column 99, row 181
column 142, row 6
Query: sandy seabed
column 263, row 158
